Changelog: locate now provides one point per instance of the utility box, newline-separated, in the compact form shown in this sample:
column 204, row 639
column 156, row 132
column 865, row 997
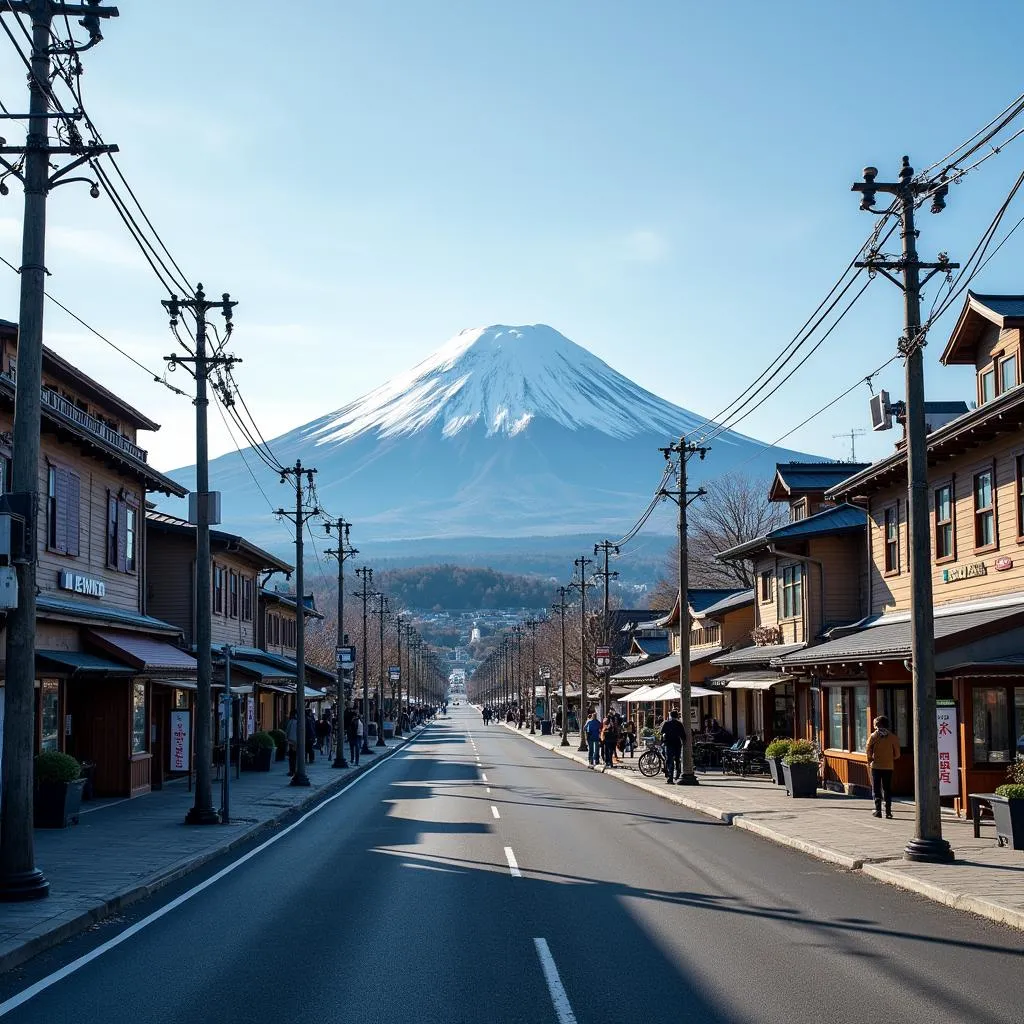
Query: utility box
column 8, row 587
column 212, row 505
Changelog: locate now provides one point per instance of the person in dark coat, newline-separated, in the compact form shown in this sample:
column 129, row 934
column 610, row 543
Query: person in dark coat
column 353, row 736
column 310, row 736
column 673, row 735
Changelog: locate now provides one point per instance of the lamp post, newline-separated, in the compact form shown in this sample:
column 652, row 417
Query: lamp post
column 381, row 612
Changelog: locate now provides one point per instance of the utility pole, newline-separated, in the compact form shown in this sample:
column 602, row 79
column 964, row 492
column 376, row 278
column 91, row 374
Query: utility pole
column 399, row 623
column 608, row 548
column 531, row 625
column 203, row 512
column 582, row 586
column 928, row 843
column 227, row 709
column 684, row 451
column 20, row 879
column 300, row 778
column 342, row 553
column 380, row 612
column 560, row 606
column 365, row 573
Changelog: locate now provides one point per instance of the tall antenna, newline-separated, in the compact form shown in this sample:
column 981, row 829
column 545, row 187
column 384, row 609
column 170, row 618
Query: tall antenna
column 852, row 435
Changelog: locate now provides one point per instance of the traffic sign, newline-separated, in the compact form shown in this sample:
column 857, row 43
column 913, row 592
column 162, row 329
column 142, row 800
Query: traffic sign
column 394, row 673
column 346, row 657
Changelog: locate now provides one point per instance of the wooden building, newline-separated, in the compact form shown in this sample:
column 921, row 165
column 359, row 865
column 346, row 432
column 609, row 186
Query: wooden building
column 976, row 497
column 101, row 656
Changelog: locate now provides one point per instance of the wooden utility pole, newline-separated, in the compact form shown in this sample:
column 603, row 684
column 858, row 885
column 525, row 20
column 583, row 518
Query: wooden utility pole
column 608, row 548
column 582, row 585
column 381, row 611
column 342, row 553
column 20, row 879
column 679, row 454
column 927, row 844
column 560, row 607
column 365, row 574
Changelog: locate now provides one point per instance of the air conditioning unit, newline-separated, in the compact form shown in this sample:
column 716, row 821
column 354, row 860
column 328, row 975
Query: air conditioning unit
column 881, row 411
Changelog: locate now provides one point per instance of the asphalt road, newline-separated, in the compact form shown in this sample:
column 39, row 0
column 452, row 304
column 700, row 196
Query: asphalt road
column 398, row 901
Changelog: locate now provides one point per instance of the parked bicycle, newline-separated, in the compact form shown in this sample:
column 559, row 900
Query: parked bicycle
column 652, row 761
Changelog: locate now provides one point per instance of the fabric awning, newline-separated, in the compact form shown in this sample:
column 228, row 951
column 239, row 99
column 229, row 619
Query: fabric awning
column 260, row 670
column 670, row 691
column 144, row 653
column 648, row 670
column 753, row 680
column 178, row 684
column 80, row 662
column 640, row 694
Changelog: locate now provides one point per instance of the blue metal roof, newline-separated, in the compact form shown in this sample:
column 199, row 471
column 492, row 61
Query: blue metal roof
column 815, row 476
column 102, row 613
column 700, row 599
column 841, row 519
column 79, row 661
column 1001, row 305
column 735, row 600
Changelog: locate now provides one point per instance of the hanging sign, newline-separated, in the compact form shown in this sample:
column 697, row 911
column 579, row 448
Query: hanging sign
column 949, row 760
column 346, row 657
column 394, row 673
column 180, row 726
column 603, row 657
column 250, row 716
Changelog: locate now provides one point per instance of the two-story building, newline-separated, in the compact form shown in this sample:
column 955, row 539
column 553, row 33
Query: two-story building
column 976, row 500
column 809, row 578
column 100, row 655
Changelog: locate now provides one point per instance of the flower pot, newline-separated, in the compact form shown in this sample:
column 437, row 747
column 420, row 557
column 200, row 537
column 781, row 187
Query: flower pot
column 1009, row 819
column 56, row 804
column 801, row 780
column 775, row 770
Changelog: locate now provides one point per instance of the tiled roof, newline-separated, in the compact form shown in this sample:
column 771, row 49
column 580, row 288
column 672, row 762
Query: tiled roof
column 290, row 601
column 756, row 655
column 841, row 519
column 648, row 671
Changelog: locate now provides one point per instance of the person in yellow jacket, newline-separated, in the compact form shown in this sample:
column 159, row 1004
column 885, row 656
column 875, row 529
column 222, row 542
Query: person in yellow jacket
column 883, row 752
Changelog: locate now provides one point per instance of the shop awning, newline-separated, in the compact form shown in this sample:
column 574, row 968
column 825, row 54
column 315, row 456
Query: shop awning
column 177, row 684
column 670, row 691
column 648, row 670
column 752, row 680
column 314, row 694
column 260, row 671
column 638, row 695
column 80, row 662
column 144, row 653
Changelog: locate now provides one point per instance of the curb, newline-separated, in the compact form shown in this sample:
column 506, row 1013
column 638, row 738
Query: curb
column 94, row 915
column 875, row 868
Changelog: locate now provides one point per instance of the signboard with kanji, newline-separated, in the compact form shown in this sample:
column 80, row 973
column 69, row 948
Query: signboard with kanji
column 949, row 761
column 180, row 747
column 394, row 673
column 603, row 657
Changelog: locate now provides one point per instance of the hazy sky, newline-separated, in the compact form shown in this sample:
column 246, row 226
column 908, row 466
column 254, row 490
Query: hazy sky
column 667, row 183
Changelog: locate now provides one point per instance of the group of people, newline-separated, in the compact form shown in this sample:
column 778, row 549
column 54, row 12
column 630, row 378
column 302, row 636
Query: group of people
column 608, row 738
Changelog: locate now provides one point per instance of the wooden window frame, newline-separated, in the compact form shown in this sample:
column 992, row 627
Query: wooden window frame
column 122, row 543
column 989, row 368
column 951, row 555
column 992, row 509
column 234, row 606
column 765, row 586
column 790, row 588
column 63, row 510
column 247, row 592
column 1004, row 358
column 799, row 510
column 1018, row 494
column 218, row 589
column 891, row 569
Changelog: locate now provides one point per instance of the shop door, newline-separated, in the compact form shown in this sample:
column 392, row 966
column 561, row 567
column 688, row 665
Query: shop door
column 159, row 725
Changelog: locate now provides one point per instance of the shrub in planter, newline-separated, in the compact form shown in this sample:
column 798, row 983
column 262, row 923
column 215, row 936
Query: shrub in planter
column 1008, row 813
column 280, row 742
column 773, row 754
column 800, row 771
column 260, row 747
column 57, row 796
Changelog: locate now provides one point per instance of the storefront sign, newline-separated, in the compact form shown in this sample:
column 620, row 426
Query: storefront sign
column 1003, row 563
column 79, row 584
column 964, row 572
column 250, row 715
column 949, row 760
column 181, row 723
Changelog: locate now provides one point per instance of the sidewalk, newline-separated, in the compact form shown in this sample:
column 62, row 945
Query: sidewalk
column 985, row 879
column 123, row 850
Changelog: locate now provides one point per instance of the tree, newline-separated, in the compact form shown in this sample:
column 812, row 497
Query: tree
column 735, row 510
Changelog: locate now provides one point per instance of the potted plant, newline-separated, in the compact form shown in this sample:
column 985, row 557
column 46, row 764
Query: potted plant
column 281, row 743
column 647, row 735
column 773, row 754
column 57, row 795
column 260, row 747
column 800, row 770
column 1008, row 808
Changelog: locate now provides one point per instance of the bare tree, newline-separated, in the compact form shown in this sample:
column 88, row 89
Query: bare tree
column 735, row 510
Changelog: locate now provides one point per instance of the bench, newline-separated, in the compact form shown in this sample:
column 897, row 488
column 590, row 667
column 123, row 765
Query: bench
column 978, row 801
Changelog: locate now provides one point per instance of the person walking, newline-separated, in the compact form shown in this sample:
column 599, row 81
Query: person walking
column 883, row 752
column 292, row 735
column 629, row 738
column 672, row 735
column 593, row 733
column 609, row 740
column 354, row 735
column 310, row 736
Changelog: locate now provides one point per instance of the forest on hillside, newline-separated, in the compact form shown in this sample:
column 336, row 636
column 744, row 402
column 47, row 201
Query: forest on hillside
column 464, row 588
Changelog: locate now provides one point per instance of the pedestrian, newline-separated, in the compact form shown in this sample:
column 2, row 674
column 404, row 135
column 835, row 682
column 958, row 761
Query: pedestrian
column 323, row 733
column 354, row 735
column 672, row 735
column 310, row 736
column 292, row 735
column 883, row 752
column 609, row 739
column 629, row 738
column 593, row 733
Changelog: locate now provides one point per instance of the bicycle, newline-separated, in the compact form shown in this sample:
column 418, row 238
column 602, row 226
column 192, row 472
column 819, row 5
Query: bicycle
column 651, row 762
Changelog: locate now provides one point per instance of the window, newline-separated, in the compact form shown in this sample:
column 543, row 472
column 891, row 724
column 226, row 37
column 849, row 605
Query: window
column 986, row 385
column 766, row 587
column 140, row 733
column 63, row 499
column 944, row 522
column 860, row 718
column 246, row 600
column 798, row 510
column 837, row 716
column 122, row 532
column 49, row 714
column 1019, row 463
column 894, row 702
column 5, row 474
column 792, row 591
column 218, row 590
column 892, row 538
column 991, row 725
column 1007, row 373
column 847, row 717
column 984, row 511
column 233, row 594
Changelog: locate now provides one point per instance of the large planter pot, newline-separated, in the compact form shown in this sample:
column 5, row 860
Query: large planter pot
column 262, row 758
column 56, row 804
column 775, row 770
column 282, row 754
column 1009, row 819
column 801, row 780
column 389, row 730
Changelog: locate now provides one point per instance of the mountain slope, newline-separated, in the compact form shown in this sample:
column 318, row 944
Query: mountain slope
column 503, row 431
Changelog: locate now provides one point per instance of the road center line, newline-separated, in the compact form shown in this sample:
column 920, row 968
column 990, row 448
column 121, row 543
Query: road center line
column 563, row 1009
column 513, row 866
column 494, row 811
column 483, row 775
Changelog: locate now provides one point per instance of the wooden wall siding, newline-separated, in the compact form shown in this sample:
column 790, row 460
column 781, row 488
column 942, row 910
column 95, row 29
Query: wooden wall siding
column 996, row 341
column 123, row 590
column 169, row 568
column 892, row 593
column 736, row 626
column 285, row 614
column 842, row 559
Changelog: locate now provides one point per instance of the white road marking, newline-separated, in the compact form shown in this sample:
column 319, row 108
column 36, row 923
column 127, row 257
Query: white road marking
column 513, row 865
column 483, row 775
column 494, row 811
column 76, row 965
column 563, row 1009
column 488, row 789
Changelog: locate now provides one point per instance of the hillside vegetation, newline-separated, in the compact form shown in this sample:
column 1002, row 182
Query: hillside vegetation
column 464, row 588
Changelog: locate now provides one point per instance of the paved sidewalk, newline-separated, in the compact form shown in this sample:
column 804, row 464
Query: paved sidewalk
column 985, row 879
column 122, row 851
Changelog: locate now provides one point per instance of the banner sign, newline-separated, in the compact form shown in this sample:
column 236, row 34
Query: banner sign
column 250, row 716
column 949, row 759
column 181, row 724
column 603, row 657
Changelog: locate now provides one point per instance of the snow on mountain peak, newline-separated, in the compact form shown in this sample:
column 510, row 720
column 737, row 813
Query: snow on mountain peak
column 505, row 378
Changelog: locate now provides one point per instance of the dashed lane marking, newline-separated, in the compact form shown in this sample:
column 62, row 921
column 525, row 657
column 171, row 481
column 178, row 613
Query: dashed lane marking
column 513, row 865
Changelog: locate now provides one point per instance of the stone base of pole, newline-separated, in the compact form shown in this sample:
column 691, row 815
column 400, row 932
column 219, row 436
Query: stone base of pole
column 202, row 816
column 339, row 761
column 380, row 739
column 930, row 851
column 688, row 780
column 565, row 742
column 22, row 886
column 299, row 779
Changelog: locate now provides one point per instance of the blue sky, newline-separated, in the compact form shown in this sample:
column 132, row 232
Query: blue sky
column 667, row 183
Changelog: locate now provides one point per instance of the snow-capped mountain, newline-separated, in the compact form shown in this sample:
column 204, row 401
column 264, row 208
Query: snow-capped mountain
column 501, row 432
